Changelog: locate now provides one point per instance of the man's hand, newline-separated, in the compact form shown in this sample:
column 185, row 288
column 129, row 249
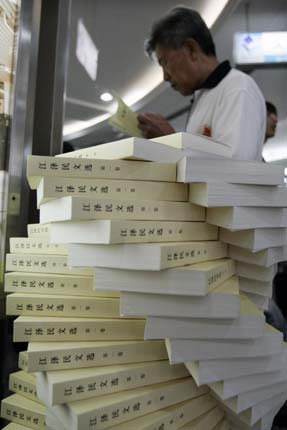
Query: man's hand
column 154, row 125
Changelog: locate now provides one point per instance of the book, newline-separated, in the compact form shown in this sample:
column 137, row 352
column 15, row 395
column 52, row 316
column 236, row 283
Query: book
column 56, row 264
column 48, row 283
column 194, row 142
column 52, row 329
column 256, row 287
column 244, row 218
column 28, row 245
column 65, row 386
column 131, row 148
column 260, row 301
column 40, row 166
column 45, row 356
column 184, row 350
column 266, row 257
column 221, row 303
column 172, row 417
column 62, row 306
column 249, row 324
column 208, row 420
column 23, row 411
column 24, row 384
column 259, row 273
column 15, row 426
column 37, row 230
column 122, row 231
column 72, row 208
column 23, row 360
column 53, row 188
column 195, row 279
column 146, row 256
column 207, row 371
column 253, row 415
column 217, row 194
column 232, row 387
column 120, row 408
column 250, row 398
column 209, row 169
column 255, row 239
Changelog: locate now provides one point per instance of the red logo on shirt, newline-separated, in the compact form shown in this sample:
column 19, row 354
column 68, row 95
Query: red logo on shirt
column 206, row 131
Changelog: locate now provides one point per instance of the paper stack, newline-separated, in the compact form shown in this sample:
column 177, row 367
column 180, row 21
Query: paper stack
column 94, row 370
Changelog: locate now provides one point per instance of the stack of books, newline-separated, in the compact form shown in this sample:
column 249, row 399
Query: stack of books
column 86, row 366
column 138, row 231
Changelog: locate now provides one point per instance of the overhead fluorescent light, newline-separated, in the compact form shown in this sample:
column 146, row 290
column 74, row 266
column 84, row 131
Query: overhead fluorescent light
column 86, row 51
column 106, row 97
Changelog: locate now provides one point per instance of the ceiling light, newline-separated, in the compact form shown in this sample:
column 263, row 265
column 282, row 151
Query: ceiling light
column 106, row 97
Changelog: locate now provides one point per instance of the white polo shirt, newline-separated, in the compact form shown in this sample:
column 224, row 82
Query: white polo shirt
column 233, row 112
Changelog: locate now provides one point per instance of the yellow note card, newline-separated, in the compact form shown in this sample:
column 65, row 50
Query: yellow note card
column 125, row 120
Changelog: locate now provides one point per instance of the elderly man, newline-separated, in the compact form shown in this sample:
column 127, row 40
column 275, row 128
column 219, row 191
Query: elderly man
column 226, row 105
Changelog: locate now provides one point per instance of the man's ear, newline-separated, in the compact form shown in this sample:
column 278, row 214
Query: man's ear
column 192, row 47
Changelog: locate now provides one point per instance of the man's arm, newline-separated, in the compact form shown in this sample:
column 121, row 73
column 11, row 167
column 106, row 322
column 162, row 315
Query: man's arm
column 154, row 125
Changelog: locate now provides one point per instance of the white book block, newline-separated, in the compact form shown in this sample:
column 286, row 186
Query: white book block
column 191, row 169
column 207, row 371
column 266, row 257
column 222, row 303
column 264, row 274
column 256, row 239
column 217, row 194
column 261, row 302
column 192, row 280
column 254, row 286
column 243, row 218
column 253, row 415
column 184, row 350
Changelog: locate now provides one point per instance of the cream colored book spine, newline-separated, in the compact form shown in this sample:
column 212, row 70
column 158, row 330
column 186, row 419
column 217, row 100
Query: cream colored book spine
column 45, row 356
column 121, row 231
column 206, row 421
column 28, row 245
column 48, row 329
column 24, row 384
column 44, row 283
column 23, row 360
column 65, row 306
column 66, row 386
column 118, row 408
column 38, row 230
column 71, row 208
column 15, row 426
column 43, row 264
column 39, row 166
column 51, row 188
column 23, row 411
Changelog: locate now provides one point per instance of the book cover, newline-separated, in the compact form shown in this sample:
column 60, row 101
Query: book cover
column 45, row 356
column 40, row 166
column 122, row 231
column 23, row 411
column 24, row 384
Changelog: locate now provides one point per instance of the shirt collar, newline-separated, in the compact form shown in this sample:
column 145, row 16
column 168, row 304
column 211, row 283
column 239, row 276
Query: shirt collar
column 216, row 76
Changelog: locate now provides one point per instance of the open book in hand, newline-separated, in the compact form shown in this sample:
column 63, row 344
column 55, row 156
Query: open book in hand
column 125, row 120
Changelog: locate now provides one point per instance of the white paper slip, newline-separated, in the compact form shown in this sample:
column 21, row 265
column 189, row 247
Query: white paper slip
column 44, row 356
column 252, row 271
column 61, row 386
column 39, row 166
column 222, row 303
column 194, row 280
column 145, row 256
column 133, row 148
column 255, row 239
column 250, row 324
column 54, row 187
column 71, row 208
column 266, row 257
column 122, row 231
column 243, row 218
column 217, row 194
column 183, row 350
column 207, row 371
column 191, row 169
column 256, row 287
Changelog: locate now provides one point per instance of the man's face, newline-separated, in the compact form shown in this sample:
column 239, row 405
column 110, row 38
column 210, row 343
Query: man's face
column 180, row 68
column 271, row 124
